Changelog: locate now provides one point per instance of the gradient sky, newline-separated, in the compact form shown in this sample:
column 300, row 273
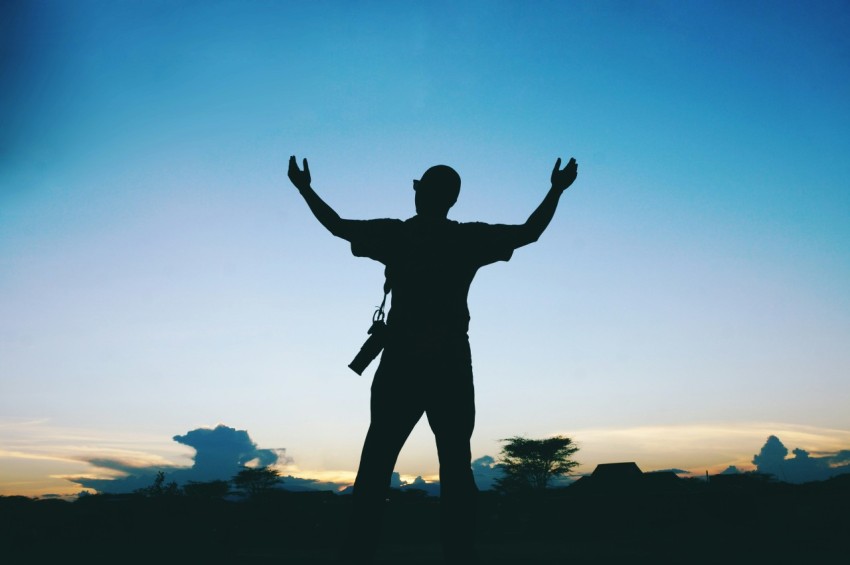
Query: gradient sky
column 158, row 273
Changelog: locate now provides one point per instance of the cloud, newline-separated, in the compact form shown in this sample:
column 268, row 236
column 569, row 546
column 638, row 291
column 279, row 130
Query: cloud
column 432, row 488
column 771, row 456
column 486, row 472
column 220, row 453
column 802, row 467
column 710, row 446
column 128, row 483
column 126, row 466
column 300, row 484
column 395, row 480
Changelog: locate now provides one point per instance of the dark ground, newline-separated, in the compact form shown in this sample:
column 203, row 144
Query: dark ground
column 744, row 520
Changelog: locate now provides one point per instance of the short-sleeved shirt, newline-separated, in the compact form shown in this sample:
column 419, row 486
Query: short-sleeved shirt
column 430, row 266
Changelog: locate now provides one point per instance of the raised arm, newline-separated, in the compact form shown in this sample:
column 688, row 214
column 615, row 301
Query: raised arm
column 324, row 213
column 531, row 230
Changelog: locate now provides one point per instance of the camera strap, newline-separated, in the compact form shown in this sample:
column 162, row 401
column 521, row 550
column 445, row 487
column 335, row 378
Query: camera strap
column 378, row 316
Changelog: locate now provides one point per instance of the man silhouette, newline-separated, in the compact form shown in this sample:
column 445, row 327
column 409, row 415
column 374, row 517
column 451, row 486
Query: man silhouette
column 426, row 365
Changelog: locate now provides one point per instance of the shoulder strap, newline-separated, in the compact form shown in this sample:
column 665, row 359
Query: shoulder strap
column 379, row 313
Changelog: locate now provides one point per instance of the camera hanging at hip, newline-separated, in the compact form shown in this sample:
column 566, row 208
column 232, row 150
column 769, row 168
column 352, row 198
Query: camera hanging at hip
column 376, row 340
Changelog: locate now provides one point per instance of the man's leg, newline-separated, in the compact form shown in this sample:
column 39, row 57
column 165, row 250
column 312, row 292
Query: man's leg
column 452, row 418
column 394, row 414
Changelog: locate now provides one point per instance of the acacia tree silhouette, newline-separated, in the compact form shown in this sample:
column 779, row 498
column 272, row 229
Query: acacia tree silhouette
column 255, row 481
column 531, row 464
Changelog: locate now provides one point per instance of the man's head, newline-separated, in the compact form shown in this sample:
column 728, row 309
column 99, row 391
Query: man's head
column 437, row 191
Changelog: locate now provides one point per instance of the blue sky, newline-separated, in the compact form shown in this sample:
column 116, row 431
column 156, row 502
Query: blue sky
column 158, row 273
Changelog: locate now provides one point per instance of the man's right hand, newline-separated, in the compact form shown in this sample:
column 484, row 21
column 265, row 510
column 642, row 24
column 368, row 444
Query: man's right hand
column 301, row 179
column 563, row 178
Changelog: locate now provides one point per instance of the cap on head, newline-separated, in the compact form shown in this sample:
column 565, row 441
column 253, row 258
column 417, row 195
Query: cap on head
column 440, row 181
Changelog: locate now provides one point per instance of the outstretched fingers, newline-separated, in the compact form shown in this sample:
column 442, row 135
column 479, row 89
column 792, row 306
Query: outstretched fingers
column 557, row 166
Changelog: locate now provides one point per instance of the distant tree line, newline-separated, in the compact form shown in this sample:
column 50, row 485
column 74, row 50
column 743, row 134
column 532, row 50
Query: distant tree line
column 527, row 465
column 250, row 481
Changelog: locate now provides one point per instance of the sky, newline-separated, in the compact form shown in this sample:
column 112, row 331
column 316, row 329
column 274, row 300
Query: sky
column 160, row 276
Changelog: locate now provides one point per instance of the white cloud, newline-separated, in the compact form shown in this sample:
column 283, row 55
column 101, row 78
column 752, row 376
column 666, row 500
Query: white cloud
column 698, row 447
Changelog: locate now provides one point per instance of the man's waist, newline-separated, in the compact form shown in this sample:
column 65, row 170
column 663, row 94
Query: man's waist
column 427, row 344
column 428, row 327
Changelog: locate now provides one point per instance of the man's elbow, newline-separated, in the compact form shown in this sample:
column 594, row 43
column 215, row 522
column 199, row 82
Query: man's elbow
column 532, row 238
column 528, row 236
column 339, row 229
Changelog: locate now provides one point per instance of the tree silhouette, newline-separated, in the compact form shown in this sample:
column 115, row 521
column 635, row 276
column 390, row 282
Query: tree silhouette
column 159, row 488
column 256, row 480
column 531, row 464
column 207, row 490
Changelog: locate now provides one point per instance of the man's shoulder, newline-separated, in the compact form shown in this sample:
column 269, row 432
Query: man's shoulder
column 383, row 222
column 488, row 243
column 482, row 228
column 473, row 225
column 375, row 239
column 374, row 227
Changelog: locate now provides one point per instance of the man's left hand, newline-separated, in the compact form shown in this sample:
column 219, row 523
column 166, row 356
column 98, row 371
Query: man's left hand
column 563, row 178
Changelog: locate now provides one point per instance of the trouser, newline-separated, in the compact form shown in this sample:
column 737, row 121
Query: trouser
column 412, row 380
